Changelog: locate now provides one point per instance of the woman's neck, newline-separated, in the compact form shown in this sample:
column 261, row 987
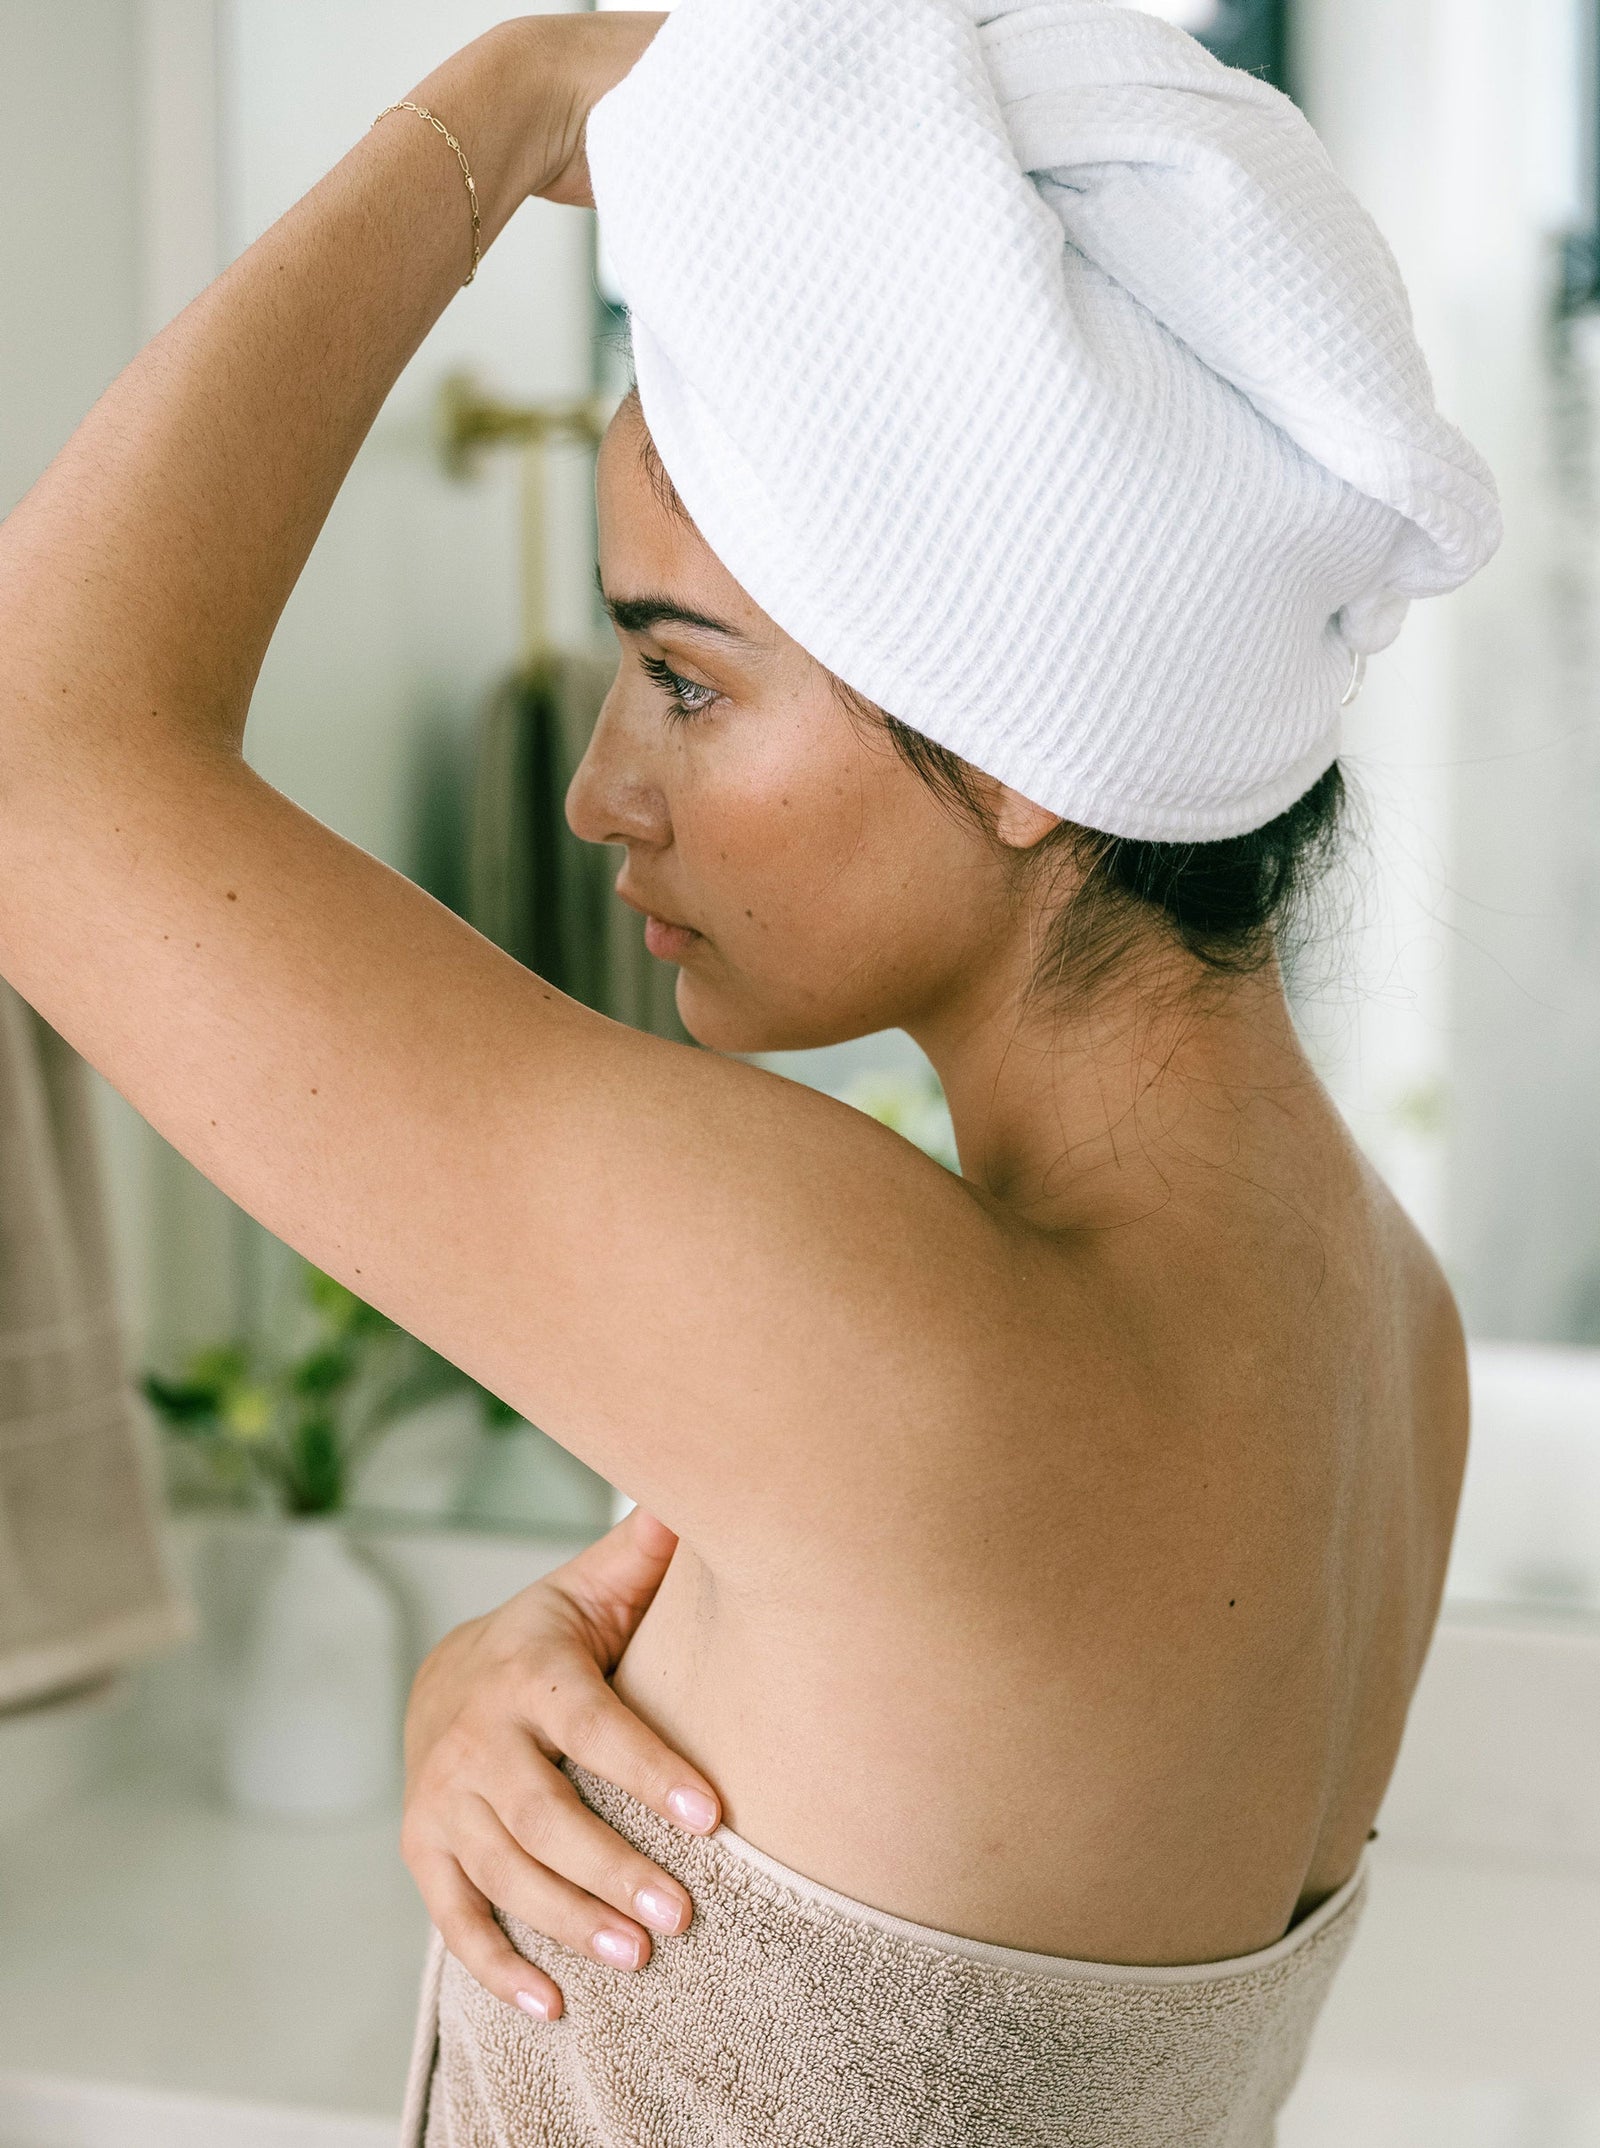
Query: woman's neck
column 1089, row 1112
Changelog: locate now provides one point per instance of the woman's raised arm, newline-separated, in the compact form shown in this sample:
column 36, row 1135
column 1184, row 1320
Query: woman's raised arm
column 611, row 1231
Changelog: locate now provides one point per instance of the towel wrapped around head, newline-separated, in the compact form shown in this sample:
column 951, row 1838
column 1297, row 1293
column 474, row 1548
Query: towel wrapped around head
column 1037, row 374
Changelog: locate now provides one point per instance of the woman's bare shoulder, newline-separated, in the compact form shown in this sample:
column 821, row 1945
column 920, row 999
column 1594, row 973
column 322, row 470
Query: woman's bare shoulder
column 1416, row 1317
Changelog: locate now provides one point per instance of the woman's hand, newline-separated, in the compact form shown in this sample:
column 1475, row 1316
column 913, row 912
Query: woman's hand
column 491, row 1819
column 591, row 54
column 523, row 93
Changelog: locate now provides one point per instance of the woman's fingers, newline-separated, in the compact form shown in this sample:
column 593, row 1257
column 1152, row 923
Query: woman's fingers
column 503, row 1871
column 554, row 1826
column 492, row 1820
column 580, row 1714
column 610, row 43
column 465, row 1922
column 612, row 1581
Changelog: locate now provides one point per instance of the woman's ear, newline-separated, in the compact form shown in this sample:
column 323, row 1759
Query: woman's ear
column 1018, row 821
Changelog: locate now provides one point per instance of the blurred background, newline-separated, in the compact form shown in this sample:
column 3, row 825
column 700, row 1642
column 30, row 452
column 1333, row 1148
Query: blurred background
column 205, row 1932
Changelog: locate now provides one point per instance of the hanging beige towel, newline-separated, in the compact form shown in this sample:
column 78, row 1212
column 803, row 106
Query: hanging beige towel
column 534, row 888
column 788, row 2016
column 83, row 1585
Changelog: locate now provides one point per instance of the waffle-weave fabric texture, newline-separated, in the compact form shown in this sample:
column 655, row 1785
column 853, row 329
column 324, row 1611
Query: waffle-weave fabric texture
column 788, row 2014
column 1037, row 374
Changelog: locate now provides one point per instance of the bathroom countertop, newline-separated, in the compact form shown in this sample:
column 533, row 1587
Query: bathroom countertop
column 154, row 1940
column 1465, row 2015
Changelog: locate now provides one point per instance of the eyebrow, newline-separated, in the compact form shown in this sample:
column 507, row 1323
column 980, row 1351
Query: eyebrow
column 637, row 615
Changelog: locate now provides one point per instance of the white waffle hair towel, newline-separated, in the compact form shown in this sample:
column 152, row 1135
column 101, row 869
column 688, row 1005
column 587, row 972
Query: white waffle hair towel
column 1038, row 375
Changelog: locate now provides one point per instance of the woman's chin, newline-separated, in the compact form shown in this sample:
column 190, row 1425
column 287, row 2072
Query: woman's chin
column 723, row 1022
column 715, row 1021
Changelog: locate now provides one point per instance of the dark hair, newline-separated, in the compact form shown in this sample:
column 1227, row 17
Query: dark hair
column 1232, row 905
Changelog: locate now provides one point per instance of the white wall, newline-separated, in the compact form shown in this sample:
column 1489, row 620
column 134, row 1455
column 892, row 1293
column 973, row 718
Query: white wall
column 71, row 302
column 68, row 266
column 1366, row 71
column 1464, row 1032
column 1526, row 1179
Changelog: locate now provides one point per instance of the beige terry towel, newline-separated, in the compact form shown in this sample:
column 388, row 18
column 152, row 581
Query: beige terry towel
column 83, row 1586
column 535, row 889
column 788, row 2016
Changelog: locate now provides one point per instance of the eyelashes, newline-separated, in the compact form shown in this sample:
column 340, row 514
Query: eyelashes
column 681, row 706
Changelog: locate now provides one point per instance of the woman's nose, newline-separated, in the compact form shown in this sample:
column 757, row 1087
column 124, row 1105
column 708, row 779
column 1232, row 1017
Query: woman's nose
column 614, row 796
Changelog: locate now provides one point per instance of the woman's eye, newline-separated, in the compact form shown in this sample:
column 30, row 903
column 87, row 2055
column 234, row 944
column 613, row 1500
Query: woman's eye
column 686, row 698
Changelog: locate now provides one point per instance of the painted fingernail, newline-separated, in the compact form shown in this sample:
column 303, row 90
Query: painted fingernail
column 619, row 1947
column 531, row 2003
column 693, row 1808
column 660, row 1911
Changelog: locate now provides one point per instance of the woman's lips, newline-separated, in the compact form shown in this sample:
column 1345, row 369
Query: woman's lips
column 669, row 943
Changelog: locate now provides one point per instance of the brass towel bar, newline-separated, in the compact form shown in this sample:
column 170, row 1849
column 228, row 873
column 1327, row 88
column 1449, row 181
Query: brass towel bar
column 469, row 421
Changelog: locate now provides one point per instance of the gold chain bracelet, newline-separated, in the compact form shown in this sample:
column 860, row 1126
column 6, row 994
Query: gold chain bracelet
column 439, row 127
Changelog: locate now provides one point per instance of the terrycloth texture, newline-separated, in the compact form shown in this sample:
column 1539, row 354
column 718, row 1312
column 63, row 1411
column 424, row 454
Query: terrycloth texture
column 790, row 2017
column 1037, row 374
column 534, row 888
column 83, row 1586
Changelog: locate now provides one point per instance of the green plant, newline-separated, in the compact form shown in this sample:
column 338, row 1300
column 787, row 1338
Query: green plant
column 293, row 1424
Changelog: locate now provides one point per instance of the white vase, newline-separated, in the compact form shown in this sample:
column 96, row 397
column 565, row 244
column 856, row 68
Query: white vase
column 312, row 1727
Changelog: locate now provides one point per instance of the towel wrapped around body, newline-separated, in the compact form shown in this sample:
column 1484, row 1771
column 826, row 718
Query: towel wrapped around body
column 788, row 2014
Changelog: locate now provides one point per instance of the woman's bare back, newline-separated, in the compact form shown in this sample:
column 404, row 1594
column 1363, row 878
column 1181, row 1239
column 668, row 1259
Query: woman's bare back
column 1121, row 1675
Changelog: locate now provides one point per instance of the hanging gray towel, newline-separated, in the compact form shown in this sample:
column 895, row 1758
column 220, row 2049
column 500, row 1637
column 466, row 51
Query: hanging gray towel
column 534, row 888
column 84, row 1587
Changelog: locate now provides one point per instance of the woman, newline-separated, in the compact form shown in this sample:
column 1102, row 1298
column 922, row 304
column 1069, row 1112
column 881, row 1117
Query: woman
column 1058, row 1543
